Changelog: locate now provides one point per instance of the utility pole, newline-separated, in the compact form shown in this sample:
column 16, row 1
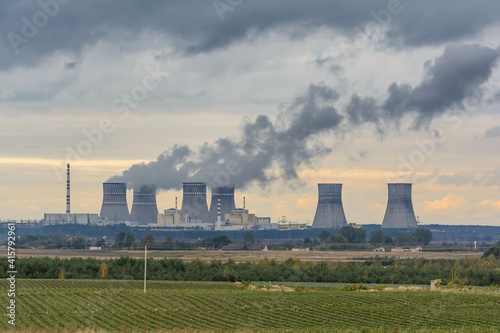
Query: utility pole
column 145, row 265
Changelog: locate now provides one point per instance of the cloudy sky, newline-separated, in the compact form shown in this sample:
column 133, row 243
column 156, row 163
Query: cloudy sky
column 273, row 96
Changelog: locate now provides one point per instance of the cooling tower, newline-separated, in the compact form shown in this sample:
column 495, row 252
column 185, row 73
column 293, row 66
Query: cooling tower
column 399, row 212
column 226, row 194
column 114, row 202
column 330, row 212
column 194, row 202
column 144, row 209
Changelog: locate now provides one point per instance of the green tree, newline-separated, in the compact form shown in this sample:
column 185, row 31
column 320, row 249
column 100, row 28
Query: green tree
column 353, row 235
column 324, row 236
column 119, row 239
column 377, row 237
column 388, row 240
column 129, row 240
column 220, row 241
column 248, row 237
column 78, row 242
column 169, row 243
column 403, row 239
column 148, row 240
column 339, row 239
column 59, row 240
column 494, row 250
column 422, row 236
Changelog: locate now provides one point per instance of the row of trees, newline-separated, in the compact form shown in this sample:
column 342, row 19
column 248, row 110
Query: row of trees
column 420, row 236
column 479, row 271
column 351, row 235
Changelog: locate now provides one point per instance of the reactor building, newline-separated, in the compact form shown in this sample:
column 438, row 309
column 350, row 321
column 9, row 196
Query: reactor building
column 114, row 202
column 226, row 196
column 144, row 208
column 399, row 212
column 330, row 212
column 194, row 202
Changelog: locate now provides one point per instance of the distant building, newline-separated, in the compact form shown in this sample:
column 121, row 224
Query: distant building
column 61, row 218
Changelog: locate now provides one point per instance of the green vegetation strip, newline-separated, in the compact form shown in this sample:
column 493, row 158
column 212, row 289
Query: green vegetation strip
column 109, row 305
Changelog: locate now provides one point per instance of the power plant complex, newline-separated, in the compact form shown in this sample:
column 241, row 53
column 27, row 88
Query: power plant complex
column 223, row 214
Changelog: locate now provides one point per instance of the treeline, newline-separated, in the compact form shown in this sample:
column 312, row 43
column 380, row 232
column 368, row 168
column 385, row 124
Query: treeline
column 479, row 271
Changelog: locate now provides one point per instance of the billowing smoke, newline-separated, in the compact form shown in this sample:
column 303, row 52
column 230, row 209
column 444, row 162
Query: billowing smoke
column 264, row 143
column 285, row 144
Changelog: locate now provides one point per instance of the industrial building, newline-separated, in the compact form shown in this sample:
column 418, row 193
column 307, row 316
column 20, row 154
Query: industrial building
column 399, row 212
column 330, row 212
column 114, row 203
column 223, row 198
column 144, row 209
column 63, row 218
column 194, row 202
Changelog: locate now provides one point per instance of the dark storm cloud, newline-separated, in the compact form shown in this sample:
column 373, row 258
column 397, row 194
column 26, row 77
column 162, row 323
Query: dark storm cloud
column 264, row 144
column 196, row 27
column 448, row 81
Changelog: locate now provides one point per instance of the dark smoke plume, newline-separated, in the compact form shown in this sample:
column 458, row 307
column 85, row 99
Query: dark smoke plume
column 263, row 144
column 288, row 144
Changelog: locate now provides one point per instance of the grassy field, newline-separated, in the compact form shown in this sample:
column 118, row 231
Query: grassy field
column 106, row 305
column 240, row 256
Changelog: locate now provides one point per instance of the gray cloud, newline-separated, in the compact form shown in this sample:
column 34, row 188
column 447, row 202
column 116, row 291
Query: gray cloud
column 493, row 132
column 195, row 26
column 448, row 81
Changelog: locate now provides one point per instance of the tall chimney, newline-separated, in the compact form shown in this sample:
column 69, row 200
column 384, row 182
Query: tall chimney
column 226, row 196
column 144, row 208
column 399, row 212
column 68, row 206
column 114, row 202
column 194, row 202
column 330, row 212
column 218, row 211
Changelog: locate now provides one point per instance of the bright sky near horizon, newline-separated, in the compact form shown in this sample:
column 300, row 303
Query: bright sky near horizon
column 273, row 96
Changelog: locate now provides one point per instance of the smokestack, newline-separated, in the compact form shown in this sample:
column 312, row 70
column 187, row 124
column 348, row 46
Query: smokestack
column 114, row 202
column 68, row 206
column 399, row 212
column 330, row 212
column 226, row 196
column 144, row 209
column 218, row 211
column 194, row 201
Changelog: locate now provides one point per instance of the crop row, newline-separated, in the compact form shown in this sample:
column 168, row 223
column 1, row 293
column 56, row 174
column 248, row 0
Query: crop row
column 102, row 305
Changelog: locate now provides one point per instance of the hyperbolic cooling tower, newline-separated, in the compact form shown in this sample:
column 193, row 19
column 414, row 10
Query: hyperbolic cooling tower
column 194, row 201
column 144, row 209
column 114, row 202
column 226, row 194
column 399, row 212
column 330, row 212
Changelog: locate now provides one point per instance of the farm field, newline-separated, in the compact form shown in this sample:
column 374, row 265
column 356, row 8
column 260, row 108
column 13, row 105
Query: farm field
column 240, row 256
column 113, row 306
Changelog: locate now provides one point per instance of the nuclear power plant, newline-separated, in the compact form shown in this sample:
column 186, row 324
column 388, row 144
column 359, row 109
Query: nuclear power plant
column 226, row 196
column 144, row 210
column 399, row 212
column 114, row 202
column 330, row 212
column 194, row 202
column 223, row 213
